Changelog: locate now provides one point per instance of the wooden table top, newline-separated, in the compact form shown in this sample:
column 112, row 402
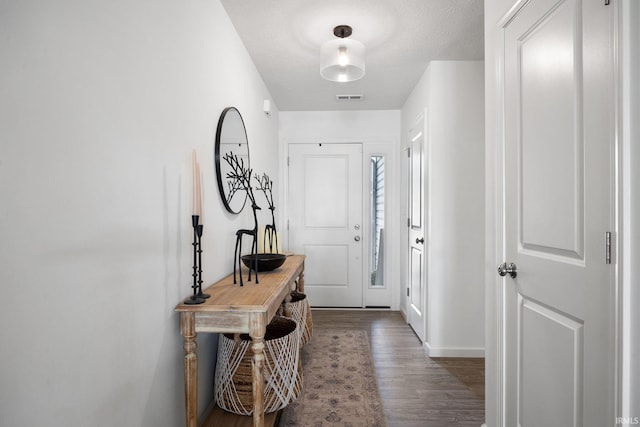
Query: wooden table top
column 227, row 296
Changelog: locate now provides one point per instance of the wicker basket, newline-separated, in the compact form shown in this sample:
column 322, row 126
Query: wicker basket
column 301, row 313
column 282, row 369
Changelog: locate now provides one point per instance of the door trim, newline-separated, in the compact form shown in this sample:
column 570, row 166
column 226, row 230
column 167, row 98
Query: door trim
column 628, row 19
column 495, row 227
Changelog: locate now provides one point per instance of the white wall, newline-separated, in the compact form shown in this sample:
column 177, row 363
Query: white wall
column 379, row 132
column 339, row 126
column 452, row 93
column 102, row 104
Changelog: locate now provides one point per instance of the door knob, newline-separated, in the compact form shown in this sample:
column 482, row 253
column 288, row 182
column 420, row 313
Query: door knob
column 511, row 269
column 420, row 240
column 356, row 238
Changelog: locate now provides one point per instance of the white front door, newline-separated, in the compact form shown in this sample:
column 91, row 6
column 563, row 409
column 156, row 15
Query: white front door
column 416, row 293
column 325, row 220
column 559, row 345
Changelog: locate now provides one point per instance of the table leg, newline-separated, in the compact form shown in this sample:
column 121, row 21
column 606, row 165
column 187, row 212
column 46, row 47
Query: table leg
column 287, row 306
column 188, row 331
column 301, row 282
column 257, row 363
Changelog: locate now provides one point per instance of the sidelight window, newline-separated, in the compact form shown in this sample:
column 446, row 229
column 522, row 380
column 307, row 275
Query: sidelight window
column 377, row 255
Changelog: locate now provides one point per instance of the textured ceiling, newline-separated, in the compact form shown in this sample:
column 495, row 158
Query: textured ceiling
column 401, row 36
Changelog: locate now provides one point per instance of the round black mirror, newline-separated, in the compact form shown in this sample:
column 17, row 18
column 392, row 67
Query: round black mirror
column 231, row 142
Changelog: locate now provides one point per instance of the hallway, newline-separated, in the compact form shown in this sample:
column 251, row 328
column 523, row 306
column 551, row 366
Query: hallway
column 416, row 391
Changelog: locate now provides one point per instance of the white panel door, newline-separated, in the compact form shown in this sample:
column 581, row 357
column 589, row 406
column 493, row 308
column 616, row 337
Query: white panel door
column 325, row 220
column 417, row 265
column 558, row 207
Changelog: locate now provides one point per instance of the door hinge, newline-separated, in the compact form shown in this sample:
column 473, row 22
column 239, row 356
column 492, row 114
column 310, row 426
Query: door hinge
column 607, row 251
column 288, row 160
column 607, row 2
column 287, row 225
column 407, row 291
column 408, row 222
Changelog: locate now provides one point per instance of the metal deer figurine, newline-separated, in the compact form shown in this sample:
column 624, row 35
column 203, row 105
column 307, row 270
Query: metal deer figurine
column 266, row 186
column 240, row 178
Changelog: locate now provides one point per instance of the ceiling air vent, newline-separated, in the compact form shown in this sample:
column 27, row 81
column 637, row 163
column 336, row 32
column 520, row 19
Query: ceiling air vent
column 359, row 97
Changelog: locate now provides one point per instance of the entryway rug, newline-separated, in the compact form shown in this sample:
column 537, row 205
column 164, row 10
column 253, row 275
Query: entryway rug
column 339, row 383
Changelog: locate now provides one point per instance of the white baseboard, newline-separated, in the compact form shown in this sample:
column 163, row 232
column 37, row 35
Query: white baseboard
column 453, row 351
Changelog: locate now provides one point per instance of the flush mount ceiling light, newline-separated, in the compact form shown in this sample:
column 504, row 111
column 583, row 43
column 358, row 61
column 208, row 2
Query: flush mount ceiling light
column 342, row 59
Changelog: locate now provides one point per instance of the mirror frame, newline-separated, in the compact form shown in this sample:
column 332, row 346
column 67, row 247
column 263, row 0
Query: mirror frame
column 218, row 158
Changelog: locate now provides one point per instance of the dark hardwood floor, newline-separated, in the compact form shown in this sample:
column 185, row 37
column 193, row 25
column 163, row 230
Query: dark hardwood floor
column 416, row 391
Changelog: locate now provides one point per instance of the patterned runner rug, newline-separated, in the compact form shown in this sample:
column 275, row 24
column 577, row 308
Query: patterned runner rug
column 339, row 383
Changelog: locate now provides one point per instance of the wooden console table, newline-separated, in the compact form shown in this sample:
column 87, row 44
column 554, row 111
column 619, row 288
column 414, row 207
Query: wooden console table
column 236, row 309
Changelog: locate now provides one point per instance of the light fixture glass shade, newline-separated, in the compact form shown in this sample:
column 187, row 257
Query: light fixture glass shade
column 342, row 60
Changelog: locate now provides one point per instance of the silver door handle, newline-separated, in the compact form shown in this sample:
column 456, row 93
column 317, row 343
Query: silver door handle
column 511, row 269
column 356, row 238
column 420, row 240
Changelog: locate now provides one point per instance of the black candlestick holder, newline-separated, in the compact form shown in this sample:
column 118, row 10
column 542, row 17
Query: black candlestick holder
column 196, row 298
column 199, row 233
